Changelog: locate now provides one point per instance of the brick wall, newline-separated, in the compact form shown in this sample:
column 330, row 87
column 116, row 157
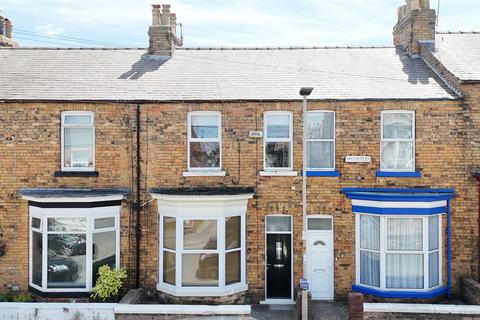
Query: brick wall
column 30, row 149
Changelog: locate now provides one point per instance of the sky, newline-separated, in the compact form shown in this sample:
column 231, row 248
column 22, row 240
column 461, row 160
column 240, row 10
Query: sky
column 227, row 23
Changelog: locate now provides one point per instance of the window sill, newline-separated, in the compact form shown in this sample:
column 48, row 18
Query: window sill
column 400, row 294
column 328, row 173
column 278, row 173
column 200, row 292
column 76, row 174
column 399, row 174
column 204, row 174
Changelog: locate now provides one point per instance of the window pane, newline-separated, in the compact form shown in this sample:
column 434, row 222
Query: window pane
column 200, row 270
column 433, row 238
column 397, row 155
column 278, row 126
column 279, row 223
column 66, row 261
column 321, row 154
column 37, row 258
column 104, row 252
column 232, row 232
column 36, row 223
column 320, row 125
column 169, row 267
column 101, row 223
column 205, row 155
column 405, row 234
column 319, row 224
column 204, row 126
column 232, row 267
column 277, row 154
column 78, row 147
column 78, row 119
column 397, row 126
column 67, row 224
column 370, row 232
column 200, row 234
column 169, row 233
column 433, row 272
column 370, row 268
column 404, row 271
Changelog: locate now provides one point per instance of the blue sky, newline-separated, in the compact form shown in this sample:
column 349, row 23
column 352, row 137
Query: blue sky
column 213, row 23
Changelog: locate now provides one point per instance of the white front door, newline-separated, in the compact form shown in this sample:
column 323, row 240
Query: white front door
column 320, row 257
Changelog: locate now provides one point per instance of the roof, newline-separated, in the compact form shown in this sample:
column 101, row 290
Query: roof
column 219, row 74
column 399, row 194
column 459, row 52
column 203, row 191
column 72, row 195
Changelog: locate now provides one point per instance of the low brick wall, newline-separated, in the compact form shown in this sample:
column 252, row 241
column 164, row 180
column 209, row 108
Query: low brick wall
column 417, row 316
column 470, row 291
column 400, row 311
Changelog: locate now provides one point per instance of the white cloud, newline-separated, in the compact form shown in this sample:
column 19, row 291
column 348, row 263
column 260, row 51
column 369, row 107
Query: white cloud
column 49, row 30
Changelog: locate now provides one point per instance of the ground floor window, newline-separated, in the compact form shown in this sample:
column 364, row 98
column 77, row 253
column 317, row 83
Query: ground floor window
column 68, row 245
column 399, row 252
column 202, row 244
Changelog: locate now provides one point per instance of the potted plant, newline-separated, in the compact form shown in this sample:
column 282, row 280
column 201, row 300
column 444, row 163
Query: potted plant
column 108, row 284
column 3, row 247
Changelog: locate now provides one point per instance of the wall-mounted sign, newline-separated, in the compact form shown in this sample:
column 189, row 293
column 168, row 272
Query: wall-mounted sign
column 356, row 159
column 255, row 134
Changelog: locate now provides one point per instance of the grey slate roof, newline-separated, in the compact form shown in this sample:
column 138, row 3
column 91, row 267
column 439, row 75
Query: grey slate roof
column 459, row 52
column 215, row 74
column 72, row 193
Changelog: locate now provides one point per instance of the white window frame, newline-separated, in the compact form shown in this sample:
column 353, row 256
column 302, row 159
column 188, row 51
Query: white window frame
column 266, row 140
column 323, row 140
column 412, row 140
column 191, row 140
column 84, row 126
column 383, row 251
column 203, row 208
column 90, row 214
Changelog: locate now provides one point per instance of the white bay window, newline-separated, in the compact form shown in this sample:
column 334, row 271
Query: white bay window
column 202, row 250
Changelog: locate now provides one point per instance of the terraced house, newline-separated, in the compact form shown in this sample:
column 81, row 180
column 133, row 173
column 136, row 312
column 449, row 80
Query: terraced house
column 185, row 166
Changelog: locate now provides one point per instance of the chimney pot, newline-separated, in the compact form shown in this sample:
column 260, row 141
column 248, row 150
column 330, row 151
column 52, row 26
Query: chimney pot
column 2, row 26
column 166, row 15
column 155, row 14
column 162, row 32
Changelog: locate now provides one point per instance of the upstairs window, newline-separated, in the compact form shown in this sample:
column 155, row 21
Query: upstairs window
column 321, row 140
column 204, row 141
column 278, row 141
column 398, row 141
column 78, row 141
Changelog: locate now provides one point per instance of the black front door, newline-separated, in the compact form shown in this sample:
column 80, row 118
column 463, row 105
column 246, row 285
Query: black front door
column 279, row 266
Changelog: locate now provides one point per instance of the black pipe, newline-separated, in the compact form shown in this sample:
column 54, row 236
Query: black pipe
column 137, row 205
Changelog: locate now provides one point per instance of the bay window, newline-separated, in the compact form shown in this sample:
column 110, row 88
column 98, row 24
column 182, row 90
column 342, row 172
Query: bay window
column 398, row 141
column 321, row 140
column 69, row 244
column 398, row 252
column 78, row 141
column 204, row 141
column 202, row 248
column 278, row 139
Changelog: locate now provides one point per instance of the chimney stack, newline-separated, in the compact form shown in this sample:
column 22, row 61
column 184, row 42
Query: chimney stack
column 6, row 33
column 162, row 33
column 415, row 26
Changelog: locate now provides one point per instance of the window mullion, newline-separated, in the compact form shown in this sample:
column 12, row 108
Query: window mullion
column 221, row 248
column 383, row 257
column 179, row 252
column 89, row 257
column 425, row 253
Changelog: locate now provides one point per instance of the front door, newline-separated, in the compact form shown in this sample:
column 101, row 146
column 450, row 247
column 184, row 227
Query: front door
column 320, row 258
column 279, row 266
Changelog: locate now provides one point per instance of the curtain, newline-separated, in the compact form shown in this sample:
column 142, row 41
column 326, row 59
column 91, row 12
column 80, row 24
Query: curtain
column 370, row 261
column 370, row 268
column 404, row 271
column 397, row 155
column 433, row 233
column 433, row 274
column 370, row 232
column 405, row 234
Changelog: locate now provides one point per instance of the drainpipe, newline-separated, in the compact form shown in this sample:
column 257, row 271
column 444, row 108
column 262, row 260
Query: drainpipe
column 137, row 205
column 304, row 92
column 449, row 252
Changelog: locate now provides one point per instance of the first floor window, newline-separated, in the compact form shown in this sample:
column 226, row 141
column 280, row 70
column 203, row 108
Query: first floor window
column 399, row 252
column 398, row 141
column 321, row 140
column 278, row 140
column 204, row 140
column 68, row 246
column 78, row 140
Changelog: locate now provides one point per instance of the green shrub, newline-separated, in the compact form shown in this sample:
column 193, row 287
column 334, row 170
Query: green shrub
column 108, row 283
column 5, row 297
column 23, row 298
